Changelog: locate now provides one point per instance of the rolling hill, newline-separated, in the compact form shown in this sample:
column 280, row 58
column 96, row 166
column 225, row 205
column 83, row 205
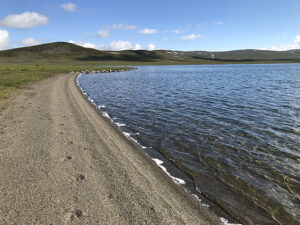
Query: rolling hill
column 62, row 53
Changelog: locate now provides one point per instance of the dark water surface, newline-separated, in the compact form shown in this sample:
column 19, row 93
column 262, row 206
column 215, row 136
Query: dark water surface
column 234, row 128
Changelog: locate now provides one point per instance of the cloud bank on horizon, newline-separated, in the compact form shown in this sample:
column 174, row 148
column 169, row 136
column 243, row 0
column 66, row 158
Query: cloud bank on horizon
column 4, row 39
column 151, row 25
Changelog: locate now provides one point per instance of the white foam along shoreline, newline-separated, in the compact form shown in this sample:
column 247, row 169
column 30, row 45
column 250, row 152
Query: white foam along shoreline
column 158, row 162
column 128, row 135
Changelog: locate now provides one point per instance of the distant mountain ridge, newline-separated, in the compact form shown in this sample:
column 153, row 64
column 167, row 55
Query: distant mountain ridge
column 63, row 52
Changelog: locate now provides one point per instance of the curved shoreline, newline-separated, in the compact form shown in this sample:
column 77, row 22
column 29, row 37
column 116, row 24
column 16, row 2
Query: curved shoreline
column 62, row 162
column 179, row 176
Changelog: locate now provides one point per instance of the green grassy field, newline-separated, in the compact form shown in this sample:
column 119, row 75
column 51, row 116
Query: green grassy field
column 13, row 77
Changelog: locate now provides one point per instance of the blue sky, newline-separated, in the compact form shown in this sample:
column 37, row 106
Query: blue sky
column 214, row 25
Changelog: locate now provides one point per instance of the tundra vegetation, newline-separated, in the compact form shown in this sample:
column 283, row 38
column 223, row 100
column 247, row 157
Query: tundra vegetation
column 13, row 77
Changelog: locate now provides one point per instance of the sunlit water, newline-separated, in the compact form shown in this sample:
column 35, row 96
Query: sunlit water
column 234, row 128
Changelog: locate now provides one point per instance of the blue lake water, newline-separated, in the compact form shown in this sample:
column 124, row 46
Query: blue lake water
column 235, row 129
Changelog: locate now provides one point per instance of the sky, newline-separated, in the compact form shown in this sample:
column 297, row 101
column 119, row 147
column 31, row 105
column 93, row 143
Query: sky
column 215, row 25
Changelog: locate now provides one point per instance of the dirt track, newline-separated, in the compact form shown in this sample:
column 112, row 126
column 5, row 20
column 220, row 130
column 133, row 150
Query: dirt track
column 61, row 162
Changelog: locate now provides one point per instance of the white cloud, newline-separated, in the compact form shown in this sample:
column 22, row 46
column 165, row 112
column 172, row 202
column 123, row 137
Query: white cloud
column 120, row 45
column 125, row 45
column 30, row 41
column 280, row 48
column 89, row 45
column 148, row 31
column 138, row 47
column 122, row 27
column 69, row 7
column 288, row 46
column 103, row 33
column 165, row 39
column 24, row 21
column 177, row 31
column 4, row 39
column 285, row 47
column 219, row 23
column 297, row 40
column 191, row 37
column 151, row 47
column 83, row 44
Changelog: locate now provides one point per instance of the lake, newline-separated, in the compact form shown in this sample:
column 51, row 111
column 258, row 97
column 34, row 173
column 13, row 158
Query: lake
column 233, row 129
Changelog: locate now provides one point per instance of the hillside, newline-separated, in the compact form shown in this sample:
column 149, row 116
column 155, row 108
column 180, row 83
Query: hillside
column 62, row 53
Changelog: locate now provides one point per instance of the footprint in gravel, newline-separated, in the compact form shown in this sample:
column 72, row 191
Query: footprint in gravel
column 71, row 216
column 78, row 213
column 45, row 116
column 67, row 158
column 80, row 178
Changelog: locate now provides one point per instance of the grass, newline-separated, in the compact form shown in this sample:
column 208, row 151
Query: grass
column 12, row 77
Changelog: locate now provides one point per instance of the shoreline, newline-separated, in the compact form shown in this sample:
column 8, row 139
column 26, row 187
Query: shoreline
column 63, row 162
column 159, row 160
column 178, row 176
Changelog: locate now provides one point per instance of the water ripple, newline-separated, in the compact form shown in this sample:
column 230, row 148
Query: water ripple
column 234, row 128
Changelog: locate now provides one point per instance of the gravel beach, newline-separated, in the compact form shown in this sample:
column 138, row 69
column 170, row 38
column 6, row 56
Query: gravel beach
column 61, row 162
